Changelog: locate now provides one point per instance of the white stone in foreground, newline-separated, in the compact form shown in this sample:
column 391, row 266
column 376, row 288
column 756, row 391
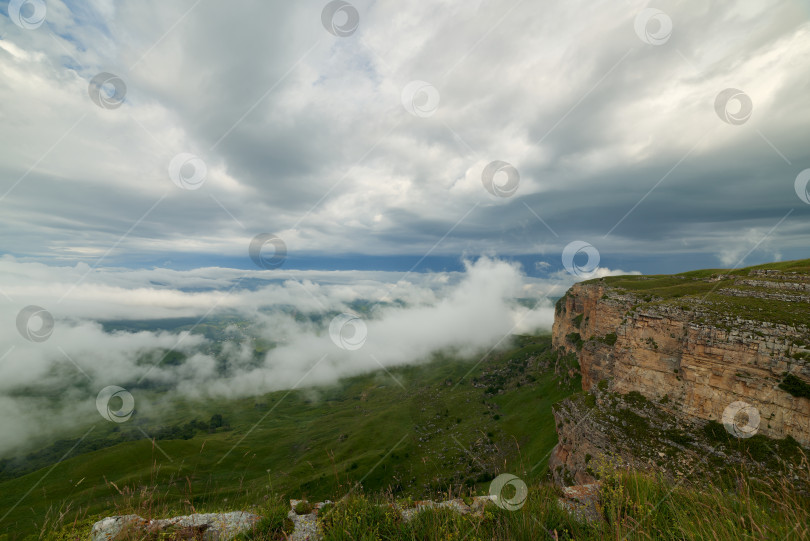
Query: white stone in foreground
column 212, row 526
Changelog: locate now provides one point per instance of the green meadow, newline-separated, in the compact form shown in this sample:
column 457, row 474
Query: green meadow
column 445, row 427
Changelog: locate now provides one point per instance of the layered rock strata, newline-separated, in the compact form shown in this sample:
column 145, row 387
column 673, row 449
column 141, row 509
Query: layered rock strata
column 702, row 352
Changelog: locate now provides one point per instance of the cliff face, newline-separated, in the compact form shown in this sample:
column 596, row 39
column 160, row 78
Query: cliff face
column 697, row 343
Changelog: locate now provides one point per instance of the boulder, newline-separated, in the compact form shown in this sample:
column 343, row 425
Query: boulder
column 207, row 526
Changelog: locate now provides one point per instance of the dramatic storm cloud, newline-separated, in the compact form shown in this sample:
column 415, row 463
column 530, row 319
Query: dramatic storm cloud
column 371, row 141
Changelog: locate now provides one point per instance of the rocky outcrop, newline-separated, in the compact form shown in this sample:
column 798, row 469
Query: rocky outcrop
column 303, row 516
column 601, row 431
column 582, row 501
column 696, row 345
column 208, row 526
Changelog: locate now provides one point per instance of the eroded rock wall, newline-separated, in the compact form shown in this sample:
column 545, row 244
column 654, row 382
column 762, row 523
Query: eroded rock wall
column 666, row 349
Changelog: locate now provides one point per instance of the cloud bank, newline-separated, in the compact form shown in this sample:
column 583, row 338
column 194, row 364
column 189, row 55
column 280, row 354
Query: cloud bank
column 465, row 313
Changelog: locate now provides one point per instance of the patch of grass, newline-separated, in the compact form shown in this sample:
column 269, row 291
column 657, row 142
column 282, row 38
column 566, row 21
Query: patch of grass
column 795, row 386
column 664, row 286
column 716, row 432
column 635, row 423
column 275, row 525
column 358, row 518
column 311, row 441
column 757, row 309
column 636, row 399
column 303, row 508
column 770, row 451
column 540, row 517
column 558, row 306
column 678, row 436
column 707, row 289
column 575, row 339
column 609, row 339
column 635, row 506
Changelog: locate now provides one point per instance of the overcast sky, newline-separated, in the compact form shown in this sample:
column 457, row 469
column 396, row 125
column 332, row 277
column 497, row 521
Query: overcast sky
column 194, row 158
column 366, row 145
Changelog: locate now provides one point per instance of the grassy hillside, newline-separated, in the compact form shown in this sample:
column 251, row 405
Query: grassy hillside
column 773, row 292
column 447, row 426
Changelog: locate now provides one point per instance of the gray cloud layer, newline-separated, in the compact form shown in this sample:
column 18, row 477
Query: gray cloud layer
column 304, row 134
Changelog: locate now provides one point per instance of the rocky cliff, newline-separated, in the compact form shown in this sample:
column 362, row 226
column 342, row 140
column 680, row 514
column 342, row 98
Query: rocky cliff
column 730, row 346
column 725, row 346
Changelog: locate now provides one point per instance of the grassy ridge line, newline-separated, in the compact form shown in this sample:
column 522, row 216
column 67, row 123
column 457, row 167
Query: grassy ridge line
column 632, row 507
column 667, row 285
column 316, row 444
column 720, row 293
